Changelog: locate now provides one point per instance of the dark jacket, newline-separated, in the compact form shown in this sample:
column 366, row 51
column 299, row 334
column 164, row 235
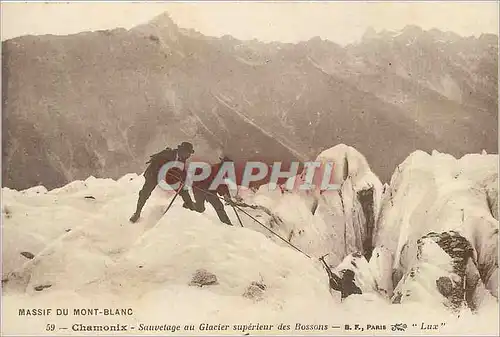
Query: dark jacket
column 159, row 159
column 348, row 287
column 206, row 183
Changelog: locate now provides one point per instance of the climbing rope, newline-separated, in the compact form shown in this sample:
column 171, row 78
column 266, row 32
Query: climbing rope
column 269, row 229
column 237, row 215
column 234, row 207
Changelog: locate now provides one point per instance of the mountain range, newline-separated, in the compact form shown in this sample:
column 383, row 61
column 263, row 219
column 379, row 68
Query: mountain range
column 100, row 103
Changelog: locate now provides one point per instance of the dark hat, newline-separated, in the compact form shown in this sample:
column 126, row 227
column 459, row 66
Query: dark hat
column 186, row 146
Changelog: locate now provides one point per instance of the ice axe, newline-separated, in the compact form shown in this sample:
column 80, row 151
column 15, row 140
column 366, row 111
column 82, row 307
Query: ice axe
column 322, row 259
column 334, row 280
column 173, row 199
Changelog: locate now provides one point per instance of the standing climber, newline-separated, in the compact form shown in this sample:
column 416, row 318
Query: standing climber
column 182, row 153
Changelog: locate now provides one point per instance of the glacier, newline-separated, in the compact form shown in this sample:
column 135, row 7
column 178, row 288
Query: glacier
column 86, row 253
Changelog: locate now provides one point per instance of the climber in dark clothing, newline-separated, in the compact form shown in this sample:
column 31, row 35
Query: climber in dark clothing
column 202, row 193
column 200, row 196
column 345, row 285
column 182, row 153
column 348, row 287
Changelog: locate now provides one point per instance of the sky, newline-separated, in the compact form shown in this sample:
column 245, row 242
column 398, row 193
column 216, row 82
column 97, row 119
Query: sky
column 341, row 22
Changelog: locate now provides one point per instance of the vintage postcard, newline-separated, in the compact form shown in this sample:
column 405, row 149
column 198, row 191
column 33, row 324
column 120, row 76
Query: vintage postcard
column 249, row 168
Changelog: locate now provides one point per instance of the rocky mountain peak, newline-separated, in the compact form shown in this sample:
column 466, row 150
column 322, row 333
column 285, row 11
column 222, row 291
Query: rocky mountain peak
column 370, row 33
column 412, row 30
column 163, row 20
column 275, row 100
column 160, row 26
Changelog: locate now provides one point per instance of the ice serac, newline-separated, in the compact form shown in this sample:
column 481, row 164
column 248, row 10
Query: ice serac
column 438, row 219
column 369, row 275
column 357, row 202
column 336, row 222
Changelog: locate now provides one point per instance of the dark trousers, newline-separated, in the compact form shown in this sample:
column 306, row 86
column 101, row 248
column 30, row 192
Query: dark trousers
column 147, row 189
column 201, row 195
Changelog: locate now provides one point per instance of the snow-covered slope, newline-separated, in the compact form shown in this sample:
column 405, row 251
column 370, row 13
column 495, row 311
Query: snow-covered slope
column 88, row 255
column 87, row 251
